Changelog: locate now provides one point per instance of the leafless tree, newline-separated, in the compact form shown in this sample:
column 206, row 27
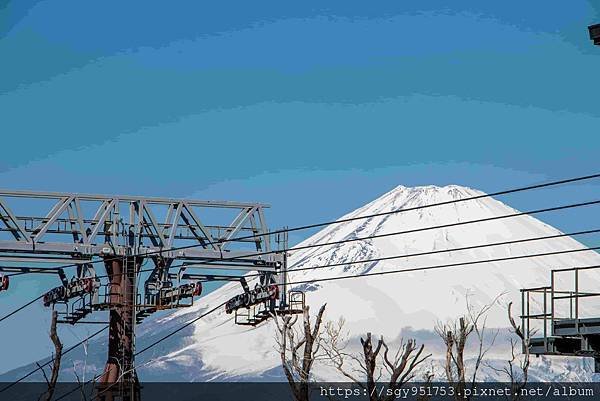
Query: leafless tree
column 517, row 369
column 369, row 366
column 455, row 335
column 79, row 382
column 81, row 379
column 51, row 382
column 299, row 349
column 427, row 378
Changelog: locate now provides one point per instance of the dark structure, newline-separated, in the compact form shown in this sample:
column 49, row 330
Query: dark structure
column 595, row 33
column 562, row 318
column 120, row 234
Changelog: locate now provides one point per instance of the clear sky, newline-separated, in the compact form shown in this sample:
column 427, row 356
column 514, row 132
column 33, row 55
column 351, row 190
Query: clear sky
column 315, row 107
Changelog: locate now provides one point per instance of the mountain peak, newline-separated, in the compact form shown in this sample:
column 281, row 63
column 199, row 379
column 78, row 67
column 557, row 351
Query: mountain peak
column 403, row 197
column 451, row 190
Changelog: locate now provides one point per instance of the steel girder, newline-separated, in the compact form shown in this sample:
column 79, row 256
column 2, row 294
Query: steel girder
column 84, row 226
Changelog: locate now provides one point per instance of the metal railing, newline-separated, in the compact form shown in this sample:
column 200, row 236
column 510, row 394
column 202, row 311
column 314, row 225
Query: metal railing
column 547, row 310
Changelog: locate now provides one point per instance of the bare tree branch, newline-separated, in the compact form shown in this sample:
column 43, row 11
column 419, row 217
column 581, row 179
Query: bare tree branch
column 456, row 334
column 518, row 379
column 401, row 365
column 58, row 347
column 298, row 350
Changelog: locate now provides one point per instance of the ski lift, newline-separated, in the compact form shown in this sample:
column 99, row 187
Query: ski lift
column 4, row 282
column 77, row 287
column 171, row 297
column 260, row 294
column 57, row 294
column 197, row 289
column 255, row 306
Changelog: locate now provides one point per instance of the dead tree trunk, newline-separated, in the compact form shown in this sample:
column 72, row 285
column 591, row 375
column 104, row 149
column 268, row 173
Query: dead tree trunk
column 370, row 357
column 517, row 369
column 298, row 350
column 455, row 336
column 519, row 381
column 400, row 367
column 51, row 382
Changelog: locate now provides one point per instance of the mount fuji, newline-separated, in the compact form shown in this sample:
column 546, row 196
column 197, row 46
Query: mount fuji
column 397, row 306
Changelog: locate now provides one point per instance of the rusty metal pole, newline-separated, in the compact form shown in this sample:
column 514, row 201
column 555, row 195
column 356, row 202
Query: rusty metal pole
column 119, row 375
column 129, row 284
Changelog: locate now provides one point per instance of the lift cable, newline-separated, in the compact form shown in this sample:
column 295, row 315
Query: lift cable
column 155, row 343
column 453, row 201
column 402, row 256
column 416, row 230
column 409, row 255
column 442, row 266
column 171, row 334
column 448, row 265
column 316, row 225
column 348, row 219
column 52, row 359
column 463, row 248
column 531, row 212
column 214, row 309
column 21, row 308
column 411, row 231
column 571, row 234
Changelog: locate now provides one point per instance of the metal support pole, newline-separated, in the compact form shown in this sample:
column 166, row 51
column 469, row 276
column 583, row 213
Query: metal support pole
column 119, row 375
column 283, row 301
column 528, row 311
column 552, row 303
column 577, row 299
column 525, row 328
column 545, row 319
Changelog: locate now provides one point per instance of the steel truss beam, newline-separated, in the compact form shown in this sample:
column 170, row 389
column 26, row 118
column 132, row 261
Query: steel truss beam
column 84, row 226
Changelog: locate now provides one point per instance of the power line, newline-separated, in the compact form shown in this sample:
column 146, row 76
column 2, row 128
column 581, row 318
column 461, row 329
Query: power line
column 21, row 308
column 339, row 221
column 214, row 309
column 413, row 254
column 383, row 273
column 147, row 348
column 402, row 256
column 93, row 379
column 179, row 329
column 82, row 385
column 453, row 201
column 411, row 231
column 434, row 267
column 53, row 358
column 463, row 248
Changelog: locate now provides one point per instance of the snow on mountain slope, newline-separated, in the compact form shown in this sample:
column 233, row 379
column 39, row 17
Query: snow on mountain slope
column 385, row 304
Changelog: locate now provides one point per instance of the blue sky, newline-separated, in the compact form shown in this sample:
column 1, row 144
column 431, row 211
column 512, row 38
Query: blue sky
column 315, row 107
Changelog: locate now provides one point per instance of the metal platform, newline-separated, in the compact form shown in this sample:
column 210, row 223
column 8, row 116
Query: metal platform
column 560, row 332
column 576, row 327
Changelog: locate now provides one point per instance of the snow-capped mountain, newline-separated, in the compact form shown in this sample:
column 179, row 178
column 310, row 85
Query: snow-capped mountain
column 394, row 305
